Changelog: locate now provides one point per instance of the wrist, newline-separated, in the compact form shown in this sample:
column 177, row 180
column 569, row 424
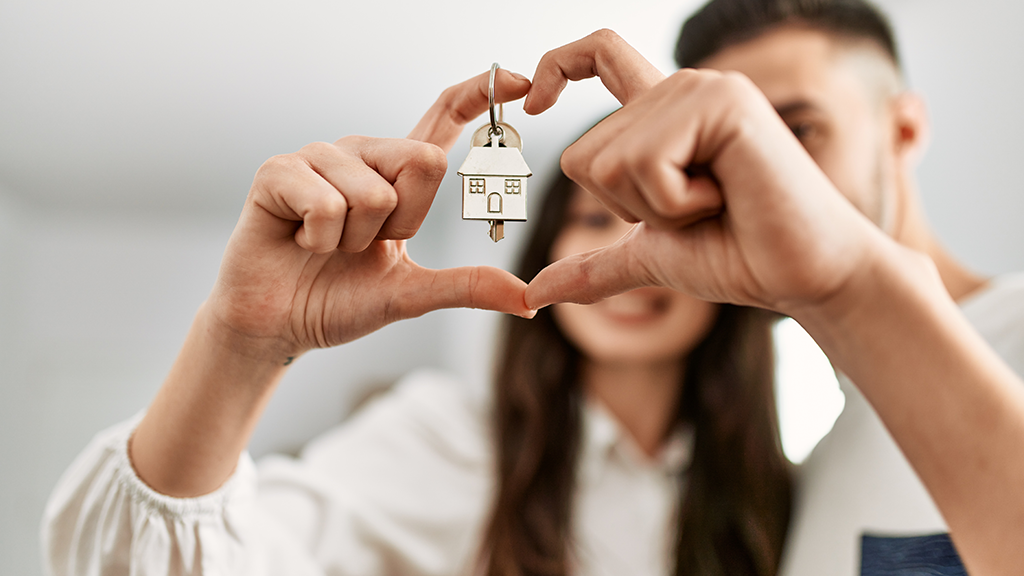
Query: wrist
column 890, row 283
column 242, row 334
column 205, row 412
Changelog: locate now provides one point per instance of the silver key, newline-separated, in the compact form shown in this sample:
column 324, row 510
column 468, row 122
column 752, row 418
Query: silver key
column 494, row 174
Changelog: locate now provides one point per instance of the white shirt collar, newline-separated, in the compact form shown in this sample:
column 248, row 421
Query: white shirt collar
column 604, row 440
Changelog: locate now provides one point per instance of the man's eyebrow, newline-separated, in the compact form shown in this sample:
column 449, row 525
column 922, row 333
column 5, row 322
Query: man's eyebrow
column 796, row 106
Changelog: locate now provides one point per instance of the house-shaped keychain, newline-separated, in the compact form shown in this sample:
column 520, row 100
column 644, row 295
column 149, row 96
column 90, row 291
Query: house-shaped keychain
column 494, row 185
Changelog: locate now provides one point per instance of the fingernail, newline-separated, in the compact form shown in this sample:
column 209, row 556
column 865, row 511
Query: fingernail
column 529, row 315
column 519, row 76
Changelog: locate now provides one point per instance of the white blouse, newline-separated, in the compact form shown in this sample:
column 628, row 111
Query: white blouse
column 404, row 487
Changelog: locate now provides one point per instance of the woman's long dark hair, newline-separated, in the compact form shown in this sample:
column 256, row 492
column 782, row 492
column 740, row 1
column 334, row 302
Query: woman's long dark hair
column 735, row 497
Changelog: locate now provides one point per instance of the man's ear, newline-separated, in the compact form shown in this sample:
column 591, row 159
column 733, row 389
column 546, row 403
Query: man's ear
column 911, row 129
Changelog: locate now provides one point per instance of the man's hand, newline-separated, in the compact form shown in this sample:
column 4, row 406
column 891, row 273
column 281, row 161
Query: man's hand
column 732, row 209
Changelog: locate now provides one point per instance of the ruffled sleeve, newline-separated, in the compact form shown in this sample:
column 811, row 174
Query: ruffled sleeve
column 102, row 519
column 400, row 488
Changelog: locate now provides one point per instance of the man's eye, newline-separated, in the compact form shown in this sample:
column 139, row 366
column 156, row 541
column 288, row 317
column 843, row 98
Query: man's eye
column 803, row 130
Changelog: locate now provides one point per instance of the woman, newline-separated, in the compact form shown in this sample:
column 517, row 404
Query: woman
column 582, row 466
column 660, row 362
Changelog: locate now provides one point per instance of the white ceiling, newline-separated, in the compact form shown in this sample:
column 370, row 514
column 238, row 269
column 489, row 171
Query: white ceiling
column 173, row 106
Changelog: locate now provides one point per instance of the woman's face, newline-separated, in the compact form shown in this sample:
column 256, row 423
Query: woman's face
column 644, row 325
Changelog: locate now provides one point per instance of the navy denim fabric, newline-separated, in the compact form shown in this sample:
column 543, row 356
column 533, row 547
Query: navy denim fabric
column 909, row 556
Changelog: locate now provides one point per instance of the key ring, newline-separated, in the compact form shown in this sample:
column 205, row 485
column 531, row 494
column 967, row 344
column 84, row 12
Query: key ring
column 494, row 130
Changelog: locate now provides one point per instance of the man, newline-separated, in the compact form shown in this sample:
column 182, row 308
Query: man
column 731, row 209
column 831, row 70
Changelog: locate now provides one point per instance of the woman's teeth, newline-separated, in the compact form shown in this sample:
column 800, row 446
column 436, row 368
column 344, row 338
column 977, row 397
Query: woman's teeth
column 630, row 305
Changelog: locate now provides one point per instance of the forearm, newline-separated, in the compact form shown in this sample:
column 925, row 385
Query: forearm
column 201, row 419
column 951, row 404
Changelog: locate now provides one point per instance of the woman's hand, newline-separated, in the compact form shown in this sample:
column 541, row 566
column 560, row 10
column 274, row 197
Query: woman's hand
column 317, row 259
column 318, row 256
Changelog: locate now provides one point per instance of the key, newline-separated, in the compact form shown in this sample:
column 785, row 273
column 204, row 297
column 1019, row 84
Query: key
column 494, row 173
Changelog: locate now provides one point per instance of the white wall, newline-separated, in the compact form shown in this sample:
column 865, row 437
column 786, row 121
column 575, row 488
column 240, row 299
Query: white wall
column 17, row 473
column 966, row 58
column 117, row 196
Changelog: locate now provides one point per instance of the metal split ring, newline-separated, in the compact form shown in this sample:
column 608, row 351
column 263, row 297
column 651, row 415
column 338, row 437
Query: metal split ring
column 494, row 130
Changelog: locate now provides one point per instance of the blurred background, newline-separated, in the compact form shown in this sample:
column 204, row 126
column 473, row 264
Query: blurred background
column 130, row 132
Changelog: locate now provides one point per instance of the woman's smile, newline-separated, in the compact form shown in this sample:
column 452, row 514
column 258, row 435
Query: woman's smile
column 636, row 308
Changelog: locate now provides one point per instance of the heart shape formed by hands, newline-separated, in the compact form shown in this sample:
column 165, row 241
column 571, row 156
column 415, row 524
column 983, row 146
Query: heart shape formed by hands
column 758, row 224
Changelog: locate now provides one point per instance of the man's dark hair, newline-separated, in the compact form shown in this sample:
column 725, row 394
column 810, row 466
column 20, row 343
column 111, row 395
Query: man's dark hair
column 723, row 23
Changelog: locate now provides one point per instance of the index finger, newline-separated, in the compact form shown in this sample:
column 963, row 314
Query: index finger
column 459, row 104
column 640, row 160
column 623, row 71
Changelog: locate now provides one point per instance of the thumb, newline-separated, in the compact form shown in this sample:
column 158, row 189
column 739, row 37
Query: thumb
column 588, row 277
column 480, row 287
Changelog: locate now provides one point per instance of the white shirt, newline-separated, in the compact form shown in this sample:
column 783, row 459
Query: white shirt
column 857, row 480
column 404, row 487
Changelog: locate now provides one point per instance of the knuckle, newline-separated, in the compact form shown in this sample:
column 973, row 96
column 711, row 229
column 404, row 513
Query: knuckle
column 685, row 74
column 687, row 77
column 736, row 86
column 545, row 61
column 575, row 164
column 351, row 141
column 642, row 162
column 738, row 79
column 449, row 94
column 327, row 208
column 606, row 35
column 430, row 161
column 332, row 207
column 278, row 164
column 317, row 149
column 646, row 167
column 277, row 172
column 608, row 43
column 380, row 199
column 605, row 171
column 453, row 101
